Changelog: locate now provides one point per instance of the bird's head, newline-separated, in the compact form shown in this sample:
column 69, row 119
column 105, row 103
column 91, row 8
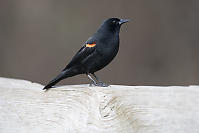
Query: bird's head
column 113, row 24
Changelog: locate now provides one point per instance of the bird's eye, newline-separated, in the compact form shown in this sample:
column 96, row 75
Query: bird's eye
column 114, row 21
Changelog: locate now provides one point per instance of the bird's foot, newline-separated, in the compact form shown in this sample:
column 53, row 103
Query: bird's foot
column 93, row 84
column 101, row 84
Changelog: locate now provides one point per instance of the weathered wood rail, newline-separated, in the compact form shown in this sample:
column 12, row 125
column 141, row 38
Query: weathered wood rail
column 25, row 108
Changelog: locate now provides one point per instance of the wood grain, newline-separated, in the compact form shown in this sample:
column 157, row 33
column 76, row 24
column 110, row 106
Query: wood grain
column 25, row 108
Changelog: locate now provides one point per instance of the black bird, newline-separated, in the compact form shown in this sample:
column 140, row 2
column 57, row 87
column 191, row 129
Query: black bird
column 98, row 51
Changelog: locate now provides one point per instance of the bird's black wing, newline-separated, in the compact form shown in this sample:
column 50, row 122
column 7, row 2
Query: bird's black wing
column 83, row 53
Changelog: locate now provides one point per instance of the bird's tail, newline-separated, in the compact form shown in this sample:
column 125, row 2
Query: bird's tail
column 61, row 76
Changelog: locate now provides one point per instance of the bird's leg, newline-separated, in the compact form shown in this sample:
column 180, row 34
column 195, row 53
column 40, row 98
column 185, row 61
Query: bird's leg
column 94, row 83
column 98, row 80
column 100, row 83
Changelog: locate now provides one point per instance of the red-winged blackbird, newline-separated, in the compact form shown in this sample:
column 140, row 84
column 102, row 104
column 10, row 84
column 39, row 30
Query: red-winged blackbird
column 98, row 51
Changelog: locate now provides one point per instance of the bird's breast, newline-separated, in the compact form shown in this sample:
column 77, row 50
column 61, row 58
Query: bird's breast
column 108, row 48
column 107, row 53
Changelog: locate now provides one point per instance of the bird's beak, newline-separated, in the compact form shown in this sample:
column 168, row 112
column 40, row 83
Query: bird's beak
column 122, row 21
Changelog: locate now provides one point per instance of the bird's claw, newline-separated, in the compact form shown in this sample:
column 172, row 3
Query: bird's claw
column 100, row 84
column 93, row 84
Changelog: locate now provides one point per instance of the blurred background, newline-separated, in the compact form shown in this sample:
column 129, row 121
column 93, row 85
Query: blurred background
column 160, row 46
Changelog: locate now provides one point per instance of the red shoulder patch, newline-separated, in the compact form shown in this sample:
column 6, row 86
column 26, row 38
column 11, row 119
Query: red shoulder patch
column 90, row 45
